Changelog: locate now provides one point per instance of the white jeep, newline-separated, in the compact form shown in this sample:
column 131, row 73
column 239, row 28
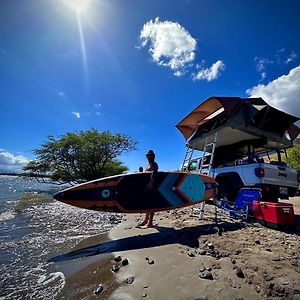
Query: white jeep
column 276, row 179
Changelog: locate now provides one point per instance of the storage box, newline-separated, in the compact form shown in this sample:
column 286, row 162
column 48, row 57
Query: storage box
column 277, row 215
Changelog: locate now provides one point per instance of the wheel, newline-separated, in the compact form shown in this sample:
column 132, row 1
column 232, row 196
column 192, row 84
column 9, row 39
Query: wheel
column 227, row 189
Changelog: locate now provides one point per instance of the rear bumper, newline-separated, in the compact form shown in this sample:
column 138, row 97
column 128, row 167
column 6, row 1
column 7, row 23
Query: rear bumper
column 277, row 191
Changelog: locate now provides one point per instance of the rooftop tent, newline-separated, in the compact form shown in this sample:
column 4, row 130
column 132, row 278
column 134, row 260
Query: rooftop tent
column 240, row 122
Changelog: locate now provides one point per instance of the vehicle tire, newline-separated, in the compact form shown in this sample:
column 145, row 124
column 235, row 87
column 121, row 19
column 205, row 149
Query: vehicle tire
column 226, row 188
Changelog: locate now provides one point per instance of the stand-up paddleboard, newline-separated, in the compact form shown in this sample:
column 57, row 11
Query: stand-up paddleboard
column 138, row 192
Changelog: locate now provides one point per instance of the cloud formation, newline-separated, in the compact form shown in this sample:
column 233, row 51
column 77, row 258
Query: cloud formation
column 10, row 163
column 211, row 73
column 76, row 114
column 260, row 65
column 170, row 44
column 281, row 57
column 282, row 93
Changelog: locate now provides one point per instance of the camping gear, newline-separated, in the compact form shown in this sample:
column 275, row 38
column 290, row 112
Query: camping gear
column 274, row 214
column 243, row 124
column 243, row 204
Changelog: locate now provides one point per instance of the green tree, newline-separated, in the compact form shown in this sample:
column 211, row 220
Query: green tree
column 294, row 155
column 80, row 156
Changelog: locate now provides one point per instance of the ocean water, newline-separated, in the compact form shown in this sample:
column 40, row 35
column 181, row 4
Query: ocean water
column 33, row 228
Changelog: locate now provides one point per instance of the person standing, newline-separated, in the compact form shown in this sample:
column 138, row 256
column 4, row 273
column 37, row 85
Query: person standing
column 151, row 167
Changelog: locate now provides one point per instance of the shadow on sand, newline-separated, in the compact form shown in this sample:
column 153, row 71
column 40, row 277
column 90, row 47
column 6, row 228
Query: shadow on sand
column 187, row 236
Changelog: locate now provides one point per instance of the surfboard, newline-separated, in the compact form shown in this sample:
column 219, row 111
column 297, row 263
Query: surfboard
column 140, row 192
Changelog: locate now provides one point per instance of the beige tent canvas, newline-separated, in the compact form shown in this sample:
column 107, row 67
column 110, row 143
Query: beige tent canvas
column 243, row 125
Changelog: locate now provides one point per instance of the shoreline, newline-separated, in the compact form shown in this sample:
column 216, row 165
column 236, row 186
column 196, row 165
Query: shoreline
column 184, row 258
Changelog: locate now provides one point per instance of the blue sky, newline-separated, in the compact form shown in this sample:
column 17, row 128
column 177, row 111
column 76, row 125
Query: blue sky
column 137, row 67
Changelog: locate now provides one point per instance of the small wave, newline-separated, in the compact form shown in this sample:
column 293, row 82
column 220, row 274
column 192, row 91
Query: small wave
column 52, row 277
column 29, row 199
column 7, row 215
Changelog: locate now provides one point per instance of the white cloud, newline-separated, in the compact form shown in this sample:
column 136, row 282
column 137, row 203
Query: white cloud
column 98, row 105
column 62, row 94
column 261, row 64
column 211, row 73
column 282, row 93
column 11, row 163
column 170, row 44
column 76, row 114
column 291, row 57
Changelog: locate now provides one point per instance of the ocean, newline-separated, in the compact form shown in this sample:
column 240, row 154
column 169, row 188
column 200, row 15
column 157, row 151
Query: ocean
column 33, row 229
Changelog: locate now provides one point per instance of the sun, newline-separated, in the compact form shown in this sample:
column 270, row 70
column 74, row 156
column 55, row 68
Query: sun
column 79, row 5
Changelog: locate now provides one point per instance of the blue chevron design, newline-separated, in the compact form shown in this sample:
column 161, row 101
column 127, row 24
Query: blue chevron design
column 166, row 190
column 193, row 187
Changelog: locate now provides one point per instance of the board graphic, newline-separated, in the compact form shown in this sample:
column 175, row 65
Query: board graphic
column 137, row 192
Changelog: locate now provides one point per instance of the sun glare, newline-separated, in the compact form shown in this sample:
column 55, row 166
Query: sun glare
column 79, row 5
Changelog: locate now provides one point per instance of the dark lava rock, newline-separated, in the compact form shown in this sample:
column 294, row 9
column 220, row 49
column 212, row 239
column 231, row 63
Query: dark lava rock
column 257, row 242
column 239, row 273
column 233, row 261
column 294, row 262
column 225, row 254
column 98, row 290
column 125, row 262
column 118, row 258
column 129, row 280
column 206, row 275
column 210, row 246
column 276, row 258
column 202, row 252
column 115, row 268
column 150, row 261
column 237, row 252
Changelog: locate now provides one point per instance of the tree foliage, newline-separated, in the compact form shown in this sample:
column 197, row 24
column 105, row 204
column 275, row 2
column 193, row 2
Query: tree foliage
column 294, row 155
column 80, row 156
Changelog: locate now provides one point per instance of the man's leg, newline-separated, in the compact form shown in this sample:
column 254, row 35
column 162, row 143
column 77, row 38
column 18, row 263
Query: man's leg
column 145, row 220
column 150, row 222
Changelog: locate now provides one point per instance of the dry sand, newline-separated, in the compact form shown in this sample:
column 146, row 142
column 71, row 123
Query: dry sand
column 239, row 260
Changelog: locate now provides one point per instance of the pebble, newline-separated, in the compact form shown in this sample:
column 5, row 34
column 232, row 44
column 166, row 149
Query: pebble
column 276, row 258
column 257, row 242
column 191, row 254
column 118, row 258
column 115, row 268
column 98, row 290
column 239, row 273
column 150, row 261
column 129, row 280
column 206, row 275
column 125, row 262
column 210, row 246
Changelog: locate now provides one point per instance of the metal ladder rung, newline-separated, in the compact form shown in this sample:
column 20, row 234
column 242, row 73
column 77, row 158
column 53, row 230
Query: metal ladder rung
column 205, row 169
column 210, row 144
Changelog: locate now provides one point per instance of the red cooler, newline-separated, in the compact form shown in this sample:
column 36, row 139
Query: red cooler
column 274, row 214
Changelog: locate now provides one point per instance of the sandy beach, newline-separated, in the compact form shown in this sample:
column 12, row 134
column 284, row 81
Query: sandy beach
column 185, row 258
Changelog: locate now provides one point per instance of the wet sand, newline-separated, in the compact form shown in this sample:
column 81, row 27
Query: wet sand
column 185, row 258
